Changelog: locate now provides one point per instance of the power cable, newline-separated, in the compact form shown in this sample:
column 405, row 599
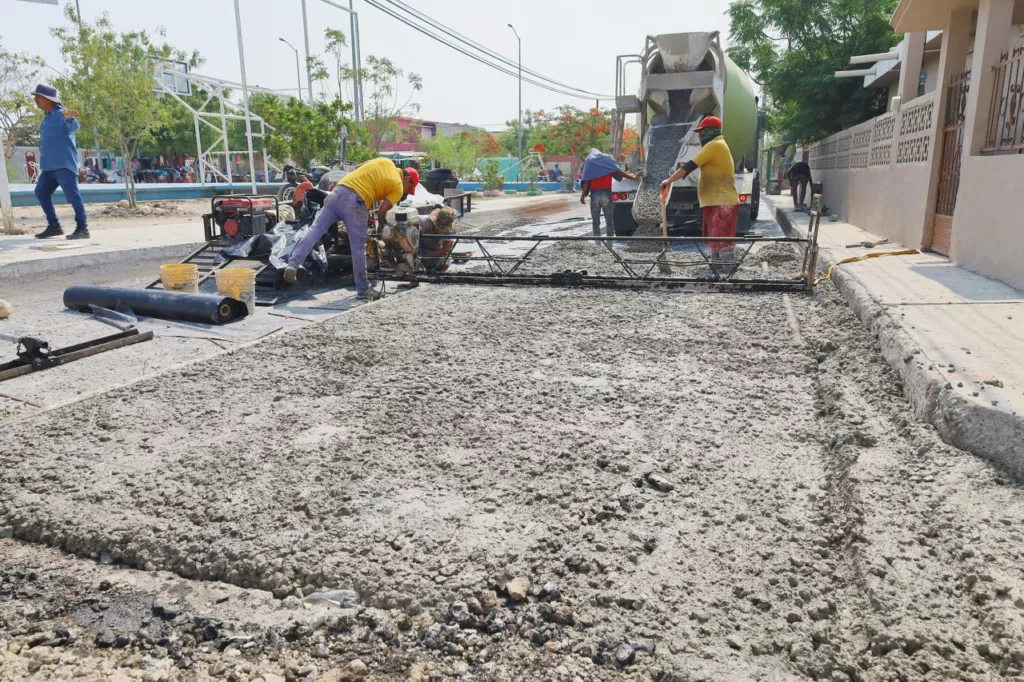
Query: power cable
column 464, row 51
column 487, row 51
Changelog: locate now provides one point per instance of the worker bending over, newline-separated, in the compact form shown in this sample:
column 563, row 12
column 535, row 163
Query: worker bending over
column 716, row 190
column 377, row 180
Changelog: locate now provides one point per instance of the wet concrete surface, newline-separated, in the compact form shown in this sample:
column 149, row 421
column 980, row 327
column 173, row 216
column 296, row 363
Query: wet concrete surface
column 684, row 486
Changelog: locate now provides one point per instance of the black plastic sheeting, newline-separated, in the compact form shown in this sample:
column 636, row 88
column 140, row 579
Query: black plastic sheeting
column 276, row 246
column 167, row 305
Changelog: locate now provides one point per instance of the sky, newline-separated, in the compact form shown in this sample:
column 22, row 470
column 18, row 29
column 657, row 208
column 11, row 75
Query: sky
column 572, row 42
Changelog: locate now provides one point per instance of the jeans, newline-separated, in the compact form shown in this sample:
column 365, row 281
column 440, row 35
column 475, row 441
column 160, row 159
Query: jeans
column 340, row 205
column 798, row 186
column 67, row 180
column 601, row 200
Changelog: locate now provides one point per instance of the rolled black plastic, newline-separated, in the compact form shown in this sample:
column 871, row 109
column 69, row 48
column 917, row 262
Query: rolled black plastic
column 167, row 305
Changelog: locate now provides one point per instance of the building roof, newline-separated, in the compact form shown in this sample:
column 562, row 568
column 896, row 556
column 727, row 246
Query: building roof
column 926, row 15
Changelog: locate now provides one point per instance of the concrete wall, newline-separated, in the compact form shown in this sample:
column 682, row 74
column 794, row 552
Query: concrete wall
column 876, row 174
column 988, row 229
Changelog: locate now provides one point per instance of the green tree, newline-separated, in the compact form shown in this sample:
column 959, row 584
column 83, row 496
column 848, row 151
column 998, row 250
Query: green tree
column 19, row 117
column 460, row 152
column 383, row 99
column 303, row 132
column 574, row 132
column 793, row 48
column 110, row 81
column 492, row 176
column 335, row 42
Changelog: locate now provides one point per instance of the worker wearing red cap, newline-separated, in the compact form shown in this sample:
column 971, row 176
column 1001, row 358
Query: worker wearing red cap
column 716, row 190
column 415, row 176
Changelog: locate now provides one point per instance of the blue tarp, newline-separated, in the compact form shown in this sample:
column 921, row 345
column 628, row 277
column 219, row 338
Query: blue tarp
column 598, row 164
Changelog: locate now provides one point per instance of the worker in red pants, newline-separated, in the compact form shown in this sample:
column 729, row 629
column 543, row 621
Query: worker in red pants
column 716, row 190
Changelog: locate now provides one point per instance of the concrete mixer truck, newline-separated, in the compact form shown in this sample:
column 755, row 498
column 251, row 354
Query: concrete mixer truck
column 683, row 77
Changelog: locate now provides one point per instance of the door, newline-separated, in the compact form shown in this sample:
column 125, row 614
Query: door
column 949, row 162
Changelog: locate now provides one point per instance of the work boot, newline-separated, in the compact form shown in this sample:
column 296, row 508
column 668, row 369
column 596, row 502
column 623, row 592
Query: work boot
column 290, row 275
column 79, row 234
column 50, row 231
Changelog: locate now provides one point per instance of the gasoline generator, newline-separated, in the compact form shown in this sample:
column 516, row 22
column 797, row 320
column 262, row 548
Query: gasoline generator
column 240, row 216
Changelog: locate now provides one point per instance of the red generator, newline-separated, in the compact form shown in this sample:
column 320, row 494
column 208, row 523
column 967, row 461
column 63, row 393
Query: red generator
column 240, row 216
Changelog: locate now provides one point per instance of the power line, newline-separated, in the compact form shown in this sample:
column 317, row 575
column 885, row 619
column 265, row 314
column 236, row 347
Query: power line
column 464, row 51
column 487, row 51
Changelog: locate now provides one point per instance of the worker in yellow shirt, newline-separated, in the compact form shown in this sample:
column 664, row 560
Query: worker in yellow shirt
column 375, row 181
column 716, row 189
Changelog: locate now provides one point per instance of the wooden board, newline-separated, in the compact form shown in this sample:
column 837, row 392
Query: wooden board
column 942, row 234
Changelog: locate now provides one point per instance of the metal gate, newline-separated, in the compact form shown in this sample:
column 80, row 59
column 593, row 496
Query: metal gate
column 949, row 161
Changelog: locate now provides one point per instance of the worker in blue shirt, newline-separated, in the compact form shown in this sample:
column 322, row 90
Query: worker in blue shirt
column 58, row 163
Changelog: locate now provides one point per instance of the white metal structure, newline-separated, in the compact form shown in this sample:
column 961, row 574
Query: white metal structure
column 216, row 121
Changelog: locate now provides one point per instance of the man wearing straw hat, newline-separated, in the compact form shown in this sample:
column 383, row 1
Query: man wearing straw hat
column 58, row 163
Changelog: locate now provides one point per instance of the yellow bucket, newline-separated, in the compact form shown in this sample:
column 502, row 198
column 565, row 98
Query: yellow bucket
column 239, row 284
column 180, row 277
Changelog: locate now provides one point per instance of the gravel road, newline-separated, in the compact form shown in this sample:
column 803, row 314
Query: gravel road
column 526, row 484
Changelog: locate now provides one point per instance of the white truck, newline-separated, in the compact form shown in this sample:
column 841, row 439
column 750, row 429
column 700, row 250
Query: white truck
column 683, row 77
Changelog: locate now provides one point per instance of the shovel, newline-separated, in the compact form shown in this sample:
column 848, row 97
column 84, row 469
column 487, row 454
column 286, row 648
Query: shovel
column 663, row 267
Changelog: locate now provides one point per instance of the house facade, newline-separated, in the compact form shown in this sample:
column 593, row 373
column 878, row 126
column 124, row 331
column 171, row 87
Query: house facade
column 941, row 169
column 409, row 132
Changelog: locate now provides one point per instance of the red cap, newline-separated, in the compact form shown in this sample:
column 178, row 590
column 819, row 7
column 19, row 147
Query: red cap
column 415, row 175
column 709, row 122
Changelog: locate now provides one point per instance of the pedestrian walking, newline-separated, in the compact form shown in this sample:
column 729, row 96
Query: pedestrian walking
column 799, row 181
column 599, row 169
column 58, row 162
column 716, row 189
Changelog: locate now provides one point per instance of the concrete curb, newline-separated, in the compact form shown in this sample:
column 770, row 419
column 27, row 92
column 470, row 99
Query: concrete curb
column 78, row 260
column 979, row 429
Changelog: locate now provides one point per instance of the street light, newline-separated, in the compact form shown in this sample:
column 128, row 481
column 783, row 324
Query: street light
column 298, row 73
column 520, row 90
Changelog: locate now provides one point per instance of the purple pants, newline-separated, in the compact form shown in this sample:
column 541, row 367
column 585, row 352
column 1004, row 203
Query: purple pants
column 345, row 206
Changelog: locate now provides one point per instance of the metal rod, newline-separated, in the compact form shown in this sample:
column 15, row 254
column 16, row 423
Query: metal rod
column 630, row 240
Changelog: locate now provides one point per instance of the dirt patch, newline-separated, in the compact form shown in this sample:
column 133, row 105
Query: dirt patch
column 157, row 209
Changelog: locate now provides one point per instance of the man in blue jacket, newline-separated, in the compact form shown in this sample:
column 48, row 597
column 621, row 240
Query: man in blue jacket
column 58, row 163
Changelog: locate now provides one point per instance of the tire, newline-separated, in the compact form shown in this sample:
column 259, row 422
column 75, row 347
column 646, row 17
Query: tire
column 755, row 199
column 625, row 224
column 286, row 193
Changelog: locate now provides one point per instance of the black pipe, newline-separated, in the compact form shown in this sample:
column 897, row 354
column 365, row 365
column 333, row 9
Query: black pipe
column 169, row 305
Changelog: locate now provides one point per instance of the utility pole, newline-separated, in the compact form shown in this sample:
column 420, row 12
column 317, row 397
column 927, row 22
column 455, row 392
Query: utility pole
column 298, row 76
column 6, row 205
column 245, row 102
column 520, row 136
column 305, row 33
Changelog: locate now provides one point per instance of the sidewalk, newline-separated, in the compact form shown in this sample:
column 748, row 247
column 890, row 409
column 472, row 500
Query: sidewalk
column 22, row 255
column 956, row 338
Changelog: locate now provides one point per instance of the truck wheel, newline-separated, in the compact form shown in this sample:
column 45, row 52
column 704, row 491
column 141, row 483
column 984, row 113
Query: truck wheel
column 744, row 221
column 625, row 225
column 755, row 199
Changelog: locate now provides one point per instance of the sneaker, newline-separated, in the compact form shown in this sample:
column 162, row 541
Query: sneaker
column 79, row 234
column 50, row 232
column 290, row 275
column 371, row 295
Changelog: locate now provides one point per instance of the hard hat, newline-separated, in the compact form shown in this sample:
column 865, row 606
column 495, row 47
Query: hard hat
column 709, row 122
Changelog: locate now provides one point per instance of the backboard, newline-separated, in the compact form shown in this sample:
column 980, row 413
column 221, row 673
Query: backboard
column 172, row 74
